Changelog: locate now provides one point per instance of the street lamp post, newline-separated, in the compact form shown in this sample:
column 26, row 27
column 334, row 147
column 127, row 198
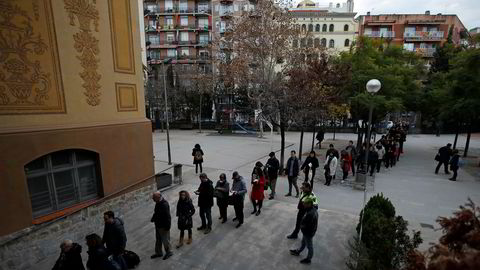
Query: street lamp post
column 373, row 86
column 166, row 108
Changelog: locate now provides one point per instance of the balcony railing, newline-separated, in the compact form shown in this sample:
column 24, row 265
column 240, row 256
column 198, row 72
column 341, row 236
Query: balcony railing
column 226, row 14
column 380, row 34
column 424, row 35
column 203, row 11
column 426, row 52
column 203, row 27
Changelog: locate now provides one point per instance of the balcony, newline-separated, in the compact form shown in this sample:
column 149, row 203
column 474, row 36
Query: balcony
column 203, row 11
column 186, row 27
column 150, row 28
column 226, row 2
column 226, row 14
column 380, row 34
column 425, row 52
column 203, row 27
column 424, row 36
column 169, row 27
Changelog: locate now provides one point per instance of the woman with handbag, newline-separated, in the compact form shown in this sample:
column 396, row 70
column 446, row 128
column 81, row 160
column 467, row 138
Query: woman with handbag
column 185, row 211
column 221, row 193
column 258, row 183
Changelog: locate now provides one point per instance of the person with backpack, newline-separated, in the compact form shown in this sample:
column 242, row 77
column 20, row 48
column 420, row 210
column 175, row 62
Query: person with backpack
column 197, row 154
column 330, row 168
column 185, row 212
column 163, row 221
column 272, row 166
column 257, row 193
column 310, row 164
column 454, row 164
column 115, row 238
column 222, row 188
column 70, row 257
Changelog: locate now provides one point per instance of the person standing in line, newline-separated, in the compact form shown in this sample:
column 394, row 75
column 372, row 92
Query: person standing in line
column 205, row 202
column 197, row 154
column 239, row 188
column 345, row 162
column 372, row 160
column 185, row 212
column 352, row 152
column 98, row 255
column 320, row 137
column 393, row 154
column 163, row 221
column 273, row 165
column 257, row 193
column 388, row 153
column 293, row 168
column 310, row 164
column 70, row 257
column 443, row 157
column 331, row 149
column 307, row 194
column 381, row 153
column 361, row 158
column 309, row 228
column 330, row 167
column 222, row 188
column 115, row 238
column 454, row 164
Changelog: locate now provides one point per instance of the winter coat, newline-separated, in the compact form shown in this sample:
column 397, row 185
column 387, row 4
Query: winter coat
column 380, row 152
column 352, row 151
column 309, row 222
column 454, row 162
column 258, row 189
column 161, row 215
column 197, row 155
column 346, row 163
column 205, row 196
column 313, row 160
column 320, row 135
column 70, row 260
column 445, row 153
column 114, row 236
column 372, row 157
column 332, row 166
column 273, row 165
column 185, row 211
column 225, row 185
column 304, row 197
column 296, row 168
column 239, row 187
column 98, row 259
column 334, row 151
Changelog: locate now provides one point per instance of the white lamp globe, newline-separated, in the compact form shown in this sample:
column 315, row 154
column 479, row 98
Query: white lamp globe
column 373, row 86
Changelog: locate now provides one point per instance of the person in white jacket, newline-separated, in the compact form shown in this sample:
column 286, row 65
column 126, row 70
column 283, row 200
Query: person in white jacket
column 330, row 168
column 381, row 154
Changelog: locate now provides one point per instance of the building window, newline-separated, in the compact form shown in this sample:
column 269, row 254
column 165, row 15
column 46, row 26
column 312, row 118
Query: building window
column 185, row 52
column 295, row 43
column 152, row 7
column 310, row 42
column 203, row 23
column 317, row 28
column 316, row 43
column 170, row 37
column 184, row 21
column 331, row 44
column 338, row 5
column 154, row 54
column 169, row 5
column 203, row 7
column 331, row 28
column 183, row 6
column 171, row 52
column 409, row 47
column 347, row 42
column 303, row 43
column 154, row 39
column 304, row 28
column 324, row 28
column 324, row 42
column 169, row 21
column 345, row 28
column 310, row 28
column 183, row 36
column 62, row 179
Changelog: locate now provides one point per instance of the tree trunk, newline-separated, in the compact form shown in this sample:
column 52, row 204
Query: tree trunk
column 282, row 145
column 259, row 107
column 161, row 121
column 301, row 144
column 456, row 138
column 200, row 115
column 334, row 128
column 313, row 137
column 467, row 144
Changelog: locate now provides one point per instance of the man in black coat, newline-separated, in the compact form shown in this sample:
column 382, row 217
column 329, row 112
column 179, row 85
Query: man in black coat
column 70, row 257
column 205, row 202
column 309, row 228
column 292, row 171
column 163, row 221
column 114, row 237
column 444, row 154
column 273, row 165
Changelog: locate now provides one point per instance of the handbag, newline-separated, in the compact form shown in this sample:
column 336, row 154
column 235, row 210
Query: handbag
column 437, row 157
column 218, row 194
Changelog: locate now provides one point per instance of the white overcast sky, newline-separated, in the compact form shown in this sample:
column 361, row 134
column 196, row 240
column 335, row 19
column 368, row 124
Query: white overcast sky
column 467, row 10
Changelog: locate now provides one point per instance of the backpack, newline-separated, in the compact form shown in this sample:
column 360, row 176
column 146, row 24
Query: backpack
column 198, row 155
column 131, row 259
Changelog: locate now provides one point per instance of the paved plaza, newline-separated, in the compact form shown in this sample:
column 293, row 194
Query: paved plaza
column 418, row 194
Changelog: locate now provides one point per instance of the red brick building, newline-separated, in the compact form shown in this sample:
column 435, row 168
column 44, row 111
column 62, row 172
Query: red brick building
column 422, row 33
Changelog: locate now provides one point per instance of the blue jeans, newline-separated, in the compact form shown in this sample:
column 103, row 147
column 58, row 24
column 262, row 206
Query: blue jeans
column 308, row 243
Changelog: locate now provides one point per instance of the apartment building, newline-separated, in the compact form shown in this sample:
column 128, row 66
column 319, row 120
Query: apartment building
column 179, row 30
column 331, row 26
column 421, row 33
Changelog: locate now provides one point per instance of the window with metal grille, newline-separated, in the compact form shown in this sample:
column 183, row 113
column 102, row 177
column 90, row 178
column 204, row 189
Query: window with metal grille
column 62, row 179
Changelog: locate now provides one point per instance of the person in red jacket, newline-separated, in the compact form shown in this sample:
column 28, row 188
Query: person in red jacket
column 258, row 183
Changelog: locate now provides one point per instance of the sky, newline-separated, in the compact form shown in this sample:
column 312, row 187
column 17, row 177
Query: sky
column 467, row 10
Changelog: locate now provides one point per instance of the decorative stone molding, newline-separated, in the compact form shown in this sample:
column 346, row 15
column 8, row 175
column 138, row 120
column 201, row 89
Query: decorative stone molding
column 86, row 45
column 122, row 39
column 126, row 97
column 30, row 78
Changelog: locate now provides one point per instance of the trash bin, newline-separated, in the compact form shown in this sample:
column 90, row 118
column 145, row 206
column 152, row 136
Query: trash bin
column 177, row 173
column 163, row 180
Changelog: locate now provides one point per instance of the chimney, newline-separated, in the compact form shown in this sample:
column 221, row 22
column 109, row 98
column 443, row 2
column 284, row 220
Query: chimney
column 427, row 12
column 368, row 13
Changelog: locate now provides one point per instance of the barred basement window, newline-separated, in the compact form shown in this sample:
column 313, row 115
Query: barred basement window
column 62, row 179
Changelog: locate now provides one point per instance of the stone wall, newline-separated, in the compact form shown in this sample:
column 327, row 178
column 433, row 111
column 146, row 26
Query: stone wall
column 26, row 248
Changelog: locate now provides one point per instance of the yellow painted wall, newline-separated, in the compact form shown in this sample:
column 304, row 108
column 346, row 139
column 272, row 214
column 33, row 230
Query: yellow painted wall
column 77, row 110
